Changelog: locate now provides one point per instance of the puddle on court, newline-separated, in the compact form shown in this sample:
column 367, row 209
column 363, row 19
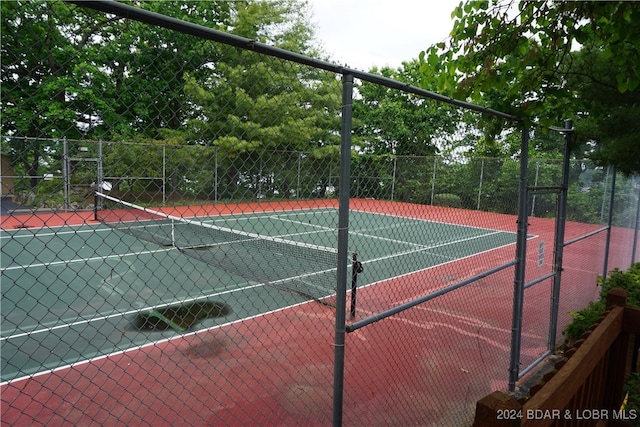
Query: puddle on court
column 179, row 317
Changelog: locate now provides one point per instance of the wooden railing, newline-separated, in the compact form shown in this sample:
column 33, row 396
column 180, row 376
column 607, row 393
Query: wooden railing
column 586, row 386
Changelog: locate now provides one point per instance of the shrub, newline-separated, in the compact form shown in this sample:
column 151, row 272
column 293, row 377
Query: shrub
column 448, row 200
column 583, row 319
column 632, row 387
column 628, row 280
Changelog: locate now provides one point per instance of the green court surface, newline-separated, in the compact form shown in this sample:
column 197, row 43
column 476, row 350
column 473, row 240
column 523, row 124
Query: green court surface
column 69, row 294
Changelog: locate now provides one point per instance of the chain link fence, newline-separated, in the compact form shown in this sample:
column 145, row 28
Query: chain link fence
column 188, row 238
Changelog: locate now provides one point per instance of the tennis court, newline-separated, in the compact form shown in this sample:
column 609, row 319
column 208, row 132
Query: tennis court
column 61, row 308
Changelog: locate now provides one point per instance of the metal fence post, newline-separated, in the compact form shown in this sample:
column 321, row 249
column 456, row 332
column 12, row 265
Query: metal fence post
column 604, row 193
column 164, row 174
column 343, row 246
column 521, row 259
column 605, row 267
column 561, row 219
column 480, row 184
column 433, row 180
column 66, row 181
column 101, row 184
column 393, row 177
column 215, row 176
column 535, row 184
column 298, row 178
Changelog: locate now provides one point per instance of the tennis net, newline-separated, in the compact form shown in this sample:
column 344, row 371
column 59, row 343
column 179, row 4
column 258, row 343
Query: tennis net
column 305, row 269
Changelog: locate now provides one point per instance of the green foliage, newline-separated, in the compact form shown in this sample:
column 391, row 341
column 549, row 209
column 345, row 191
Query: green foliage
column 70, row 72
column 632, row 387
column 584, row 319
column 628, row 280
column 389, row 121
column 548, row 61
column 448, row 200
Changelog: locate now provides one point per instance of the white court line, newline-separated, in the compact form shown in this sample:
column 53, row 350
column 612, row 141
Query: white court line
column 82, row 260
column 241, row 287
column 122, row 314
column 322, row 227
column 433, row 222
column 323, row 211
column 427, row 248
column 55, row 233
column 104, row 317
column 85, row 321
column 260, row 215
column 421, row 249
column 388, row 239
column 378, row 282
column 143, row 346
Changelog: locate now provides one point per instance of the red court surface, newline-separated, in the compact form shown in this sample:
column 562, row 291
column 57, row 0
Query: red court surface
column 217, row 377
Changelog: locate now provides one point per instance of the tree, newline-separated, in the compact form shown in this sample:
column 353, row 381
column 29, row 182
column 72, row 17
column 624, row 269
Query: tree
column 607, row 116
column 249, row 104
column 49, row 88
column 526, row 57
column 71, row 72
column 389, row 121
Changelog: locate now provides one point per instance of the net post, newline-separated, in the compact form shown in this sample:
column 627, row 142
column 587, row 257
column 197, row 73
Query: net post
column 173, row 233
column 354, row 283
column 95, row 206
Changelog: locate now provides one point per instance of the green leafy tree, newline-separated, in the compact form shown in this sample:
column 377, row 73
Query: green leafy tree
column 49, row 89
column 250, row 104
column 389, row 121
column 536, row 60
column 147, row 67
column 68, row 71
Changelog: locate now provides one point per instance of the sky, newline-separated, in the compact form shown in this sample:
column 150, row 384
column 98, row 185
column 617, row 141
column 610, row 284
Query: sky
column 361, row 34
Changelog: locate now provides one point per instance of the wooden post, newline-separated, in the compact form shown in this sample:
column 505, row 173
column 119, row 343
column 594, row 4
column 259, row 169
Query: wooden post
column 498, row 409
column 616, row 297
column 613, row 394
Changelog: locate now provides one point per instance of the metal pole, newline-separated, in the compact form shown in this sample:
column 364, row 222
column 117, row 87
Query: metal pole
column 535, row 184
column 351, row 327
column 393, row 178
column 604, row 193
column 356, row 268
column 200, row 31
column 343, row 247
column 521, row 258
column 329, row 180
column 480, row 185
column 65, row 173
column 95, row 206
column 433, row 179
column 561, row 220
column 299, row 171
column 215, row 177
column 259, row 183
column 164, row 174
column 605, row 268
column 100, row 173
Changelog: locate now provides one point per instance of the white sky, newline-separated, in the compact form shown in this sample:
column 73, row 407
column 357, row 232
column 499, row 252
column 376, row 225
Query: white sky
column 362, row 33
